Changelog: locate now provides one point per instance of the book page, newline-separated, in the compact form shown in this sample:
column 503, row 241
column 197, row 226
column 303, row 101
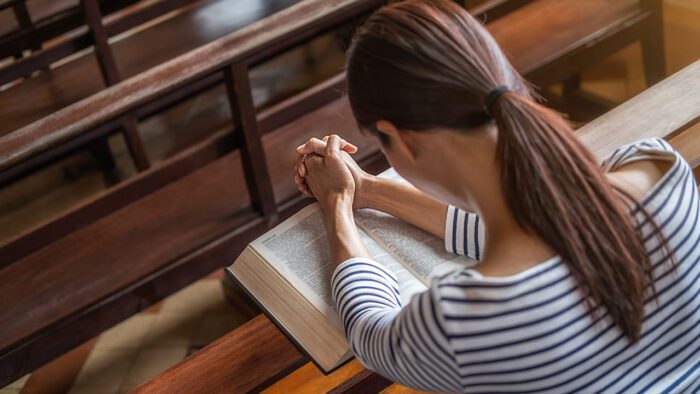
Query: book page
column 298, row 249
column 421, row 252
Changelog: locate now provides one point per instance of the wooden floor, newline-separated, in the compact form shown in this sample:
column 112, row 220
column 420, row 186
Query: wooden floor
column 74, row 179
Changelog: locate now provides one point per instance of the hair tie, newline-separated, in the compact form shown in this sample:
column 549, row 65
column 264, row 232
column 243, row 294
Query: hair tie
column 493, row 95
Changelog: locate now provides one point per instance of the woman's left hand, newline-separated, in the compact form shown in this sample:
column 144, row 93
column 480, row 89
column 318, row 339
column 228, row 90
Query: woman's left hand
column 328, row 176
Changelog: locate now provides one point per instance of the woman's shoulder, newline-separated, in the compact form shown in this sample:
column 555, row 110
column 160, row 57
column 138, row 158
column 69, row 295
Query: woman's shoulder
column 646, row 149
column 474, row 282
column 646, row 167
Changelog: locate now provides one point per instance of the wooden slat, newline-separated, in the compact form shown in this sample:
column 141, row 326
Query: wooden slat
column 110, row 74
column 661, row 111
column 65, row 124
column 239, row 362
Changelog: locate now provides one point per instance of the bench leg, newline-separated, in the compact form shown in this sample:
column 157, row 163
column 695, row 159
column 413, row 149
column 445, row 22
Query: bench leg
column 102, row 153
column 653, row 53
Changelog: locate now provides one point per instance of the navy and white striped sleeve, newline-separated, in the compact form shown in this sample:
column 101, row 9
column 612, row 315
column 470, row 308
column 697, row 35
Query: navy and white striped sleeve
column 464, row 233
column 406, row 345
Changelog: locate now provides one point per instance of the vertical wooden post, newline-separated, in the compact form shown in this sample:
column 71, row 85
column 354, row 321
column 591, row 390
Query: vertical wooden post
column 110, row 74
column 246, row 128
column 24, row 21
column 653, row 52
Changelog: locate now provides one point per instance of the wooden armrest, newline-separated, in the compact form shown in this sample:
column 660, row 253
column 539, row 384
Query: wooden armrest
column 662, row 111
column 247, row 358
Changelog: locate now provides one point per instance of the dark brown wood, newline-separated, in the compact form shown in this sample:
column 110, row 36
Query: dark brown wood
column 79, row 118
column 309, row 100
column 146, row 235
column 24, row 20
column 251, row 355
column 653, row 53
column 283, row 114
column 491, row 10
column 70, row 331
column 149, row 109
column 110, row 73
column 364, row 382
column 118, row 197
column 52, row 26
column 82, row 40
column 243, row 111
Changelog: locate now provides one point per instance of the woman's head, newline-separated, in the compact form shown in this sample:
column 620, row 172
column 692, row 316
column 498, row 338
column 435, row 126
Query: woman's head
column 420, row 71
column 425, row 66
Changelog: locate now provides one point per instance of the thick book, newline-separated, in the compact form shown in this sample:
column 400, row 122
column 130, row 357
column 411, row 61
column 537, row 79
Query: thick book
column 288, row 272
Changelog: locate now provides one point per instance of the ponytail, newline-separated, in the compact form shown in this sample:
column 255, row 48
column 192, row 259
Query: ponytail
column 555, row 188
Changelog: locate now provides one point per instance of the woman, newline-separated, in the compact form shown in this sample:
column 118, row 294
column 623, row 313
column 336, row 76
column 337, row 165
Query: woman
column 587, row 277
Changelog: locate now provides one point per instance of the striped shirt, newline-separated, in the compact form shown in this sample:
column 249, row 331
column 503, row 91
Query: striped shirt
column 532, row 332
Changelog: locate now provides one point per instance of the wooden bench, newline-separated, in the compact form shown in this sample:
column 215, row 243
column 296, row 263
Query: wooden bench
column 243, row 361
column 152, row 235
column 585, row 33
column 140, row 241
column 109, row 63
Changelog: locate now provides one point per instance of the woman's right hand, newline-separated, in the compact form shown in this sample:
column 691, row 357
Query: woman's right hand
column 317, row 146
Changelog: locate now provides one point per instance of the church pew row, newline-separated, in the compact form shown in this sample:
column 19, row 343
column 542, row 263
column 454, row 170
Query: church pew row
column 81, row 77
column 598, row 29
column 105, row 260
column 239, row 360
column 108, row 62
column 132, row 245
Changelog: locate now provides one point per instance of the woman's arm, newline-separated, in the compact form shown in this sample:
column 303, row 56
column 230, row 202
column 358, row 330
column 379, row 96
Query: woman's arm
column 463, row 232
column 404, row 202
column 409, row 345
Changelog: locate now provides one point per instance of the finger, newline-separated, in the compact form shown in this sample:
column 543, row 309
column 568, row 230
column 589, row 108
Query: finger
column 300, row 167
column 344, row 145
column 333, row 145
column 348, row 147
column 313, row 146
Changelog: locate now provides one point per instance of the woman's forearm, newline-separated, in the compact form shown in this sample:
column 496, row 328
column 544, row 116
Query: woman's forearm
column 343, row 238
column 406, row 203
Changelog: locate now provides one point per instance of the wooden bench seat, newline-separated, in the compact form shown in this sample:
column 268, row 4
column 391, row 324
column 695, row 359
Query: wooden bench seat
column 164, row 228
column 668, row 110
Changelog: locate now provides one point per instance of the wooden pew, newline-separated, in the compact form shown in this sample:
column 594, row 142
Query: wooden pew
column 109, row 63
column 667, row 110
column 136, row 243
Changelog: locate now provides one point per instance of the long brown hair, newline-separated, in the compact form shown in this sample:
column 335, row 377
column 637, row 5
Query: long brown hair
column 426, row 64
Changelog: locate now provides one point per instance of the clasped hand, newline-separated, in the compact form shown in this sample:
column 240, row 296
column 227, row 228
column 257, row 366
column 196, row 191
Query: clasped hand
column 325, row 170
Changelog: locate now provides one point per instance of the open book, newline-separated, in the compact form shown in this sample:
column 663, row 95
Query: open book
column 288, row 271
